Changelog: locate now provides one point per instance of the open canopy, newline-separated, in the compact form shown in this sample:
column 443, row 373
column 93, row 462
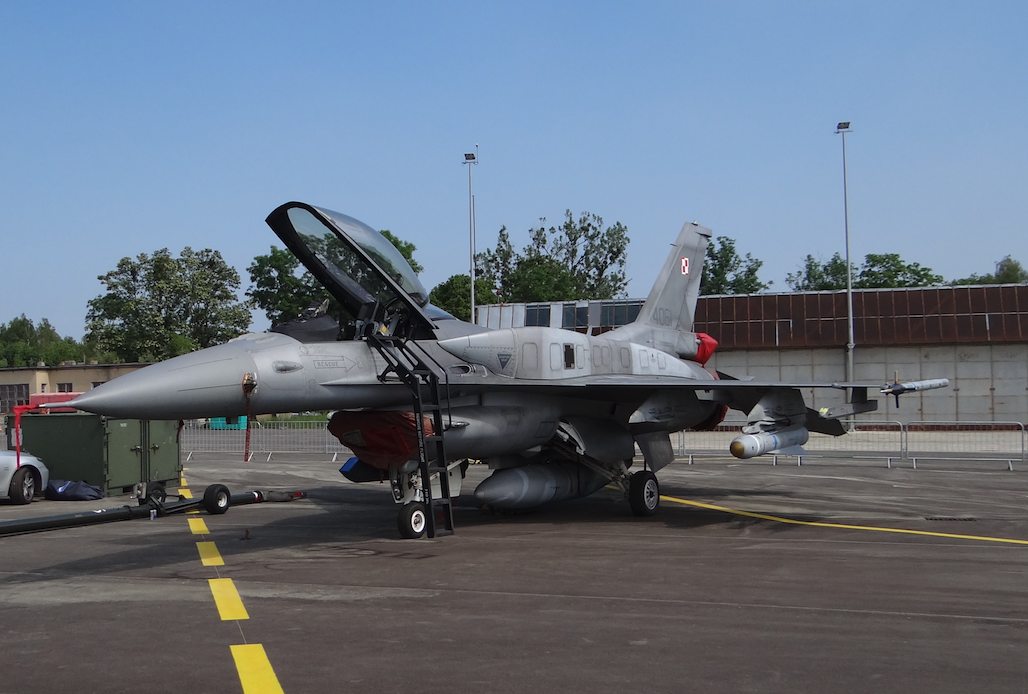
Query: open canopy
column 356, row 264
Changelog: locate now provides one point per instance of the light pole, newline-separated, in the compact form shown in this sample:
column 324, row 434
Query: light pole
column 842, row 129
column 471, row 159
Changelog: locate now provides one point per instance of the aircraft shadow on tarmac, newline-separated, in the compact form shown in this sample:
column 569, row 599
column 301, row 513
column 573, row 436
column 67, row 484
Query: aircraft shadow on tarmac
column 351, row 514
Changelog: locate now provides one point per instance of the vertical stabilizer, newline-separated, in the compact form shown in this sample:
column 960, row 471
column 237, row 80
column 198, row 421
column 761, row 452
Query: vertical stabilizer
column 672, row 301
column 666, row 318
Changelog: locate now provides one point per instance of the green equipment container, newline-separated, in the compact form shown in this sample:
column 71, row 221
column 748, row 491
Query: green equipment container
column 114, row 454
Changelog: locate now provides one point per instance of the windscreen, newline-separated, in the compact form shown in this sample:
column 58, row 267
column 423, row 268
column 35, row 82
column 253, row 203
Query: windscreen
column 384, row 253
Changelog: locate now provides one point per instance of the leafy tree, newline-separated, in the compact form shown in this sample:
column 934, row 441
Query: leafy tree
column 544, row 278
column 495, row 267
column 1008, row 271
column 23, row 343
column 878, row 271
column 283, row 294
column 816, row 276
column 725, row 272
column 278, row 289
column 406, row 249
column 454, row 295
column 580, row 259
column 158, row 306
column 887, row 270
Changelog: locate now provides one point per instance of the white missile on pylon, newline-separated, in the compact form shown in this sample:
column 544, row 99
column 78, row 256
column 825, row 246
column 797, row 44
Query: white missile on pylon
column 930, row 384
column 750, row 445
column 896, row 388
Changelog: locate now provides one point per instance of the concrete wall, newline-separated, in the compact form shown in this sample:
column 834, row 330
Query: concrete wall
column 988, row 382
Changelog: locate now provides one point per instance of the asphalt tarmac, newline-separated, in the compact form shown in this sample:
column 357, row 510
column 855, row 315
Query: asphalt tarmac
column 579, row 596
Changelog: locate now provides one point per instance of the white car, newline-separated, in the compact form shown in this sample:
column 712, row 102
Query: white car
column 21, row 484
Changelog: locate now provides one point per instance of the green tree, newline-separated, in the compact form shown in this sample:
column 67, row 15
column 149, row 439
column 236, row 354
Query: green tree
column 887, row 270
column 1008, row 271
column 406, row 249
column 278, row 289
column 282, row 291
column 454, row 295
column 725, row 272
column 23, row 343
column 580, row 259
column 815, row 276
column 158, row 306
column 495, row 267
column 544, row 278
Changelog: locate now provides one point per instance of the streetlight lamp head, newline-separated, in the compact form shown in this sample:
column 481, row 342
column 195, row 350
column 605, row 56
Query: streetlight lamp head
column 845, row 125
column 470, row 156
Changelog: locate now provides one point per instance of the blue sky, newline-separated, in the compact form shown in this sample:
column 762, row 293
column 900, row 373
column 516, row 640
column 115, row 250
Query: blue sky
column 129, row 127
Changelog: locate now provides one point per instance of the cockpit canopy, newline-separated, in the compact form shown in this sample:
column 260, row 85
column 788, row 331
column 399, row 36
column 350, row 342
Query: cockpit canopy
column 356, row 264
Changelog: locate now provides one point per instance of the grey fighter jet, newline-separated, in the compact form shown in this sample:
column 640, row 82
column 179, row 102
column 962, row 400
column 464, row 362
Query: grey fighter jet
column 416, row 393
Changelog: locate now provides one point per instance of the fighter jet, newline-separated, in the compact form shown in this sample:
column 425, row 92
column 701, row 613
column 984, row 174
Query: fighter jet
column 416, row 393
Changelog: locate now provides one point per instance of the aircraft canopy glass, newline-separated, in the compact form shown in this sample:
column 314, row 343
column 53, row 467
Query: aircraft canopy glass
column 347, row 266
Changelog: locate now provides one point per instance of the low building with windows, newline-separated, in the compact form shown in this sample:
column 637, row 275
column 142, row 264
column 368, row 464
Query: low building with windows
column 18, row 383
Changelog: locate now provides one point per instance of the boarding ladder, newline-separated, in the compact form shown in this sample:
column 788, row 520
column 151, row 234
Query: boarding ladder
column 420, row 373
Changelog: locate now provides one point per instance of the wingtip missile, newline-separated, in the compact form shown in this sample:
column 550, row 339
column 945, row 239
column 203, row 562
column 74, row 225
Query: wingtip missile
column 896, row 389
column 930, row 384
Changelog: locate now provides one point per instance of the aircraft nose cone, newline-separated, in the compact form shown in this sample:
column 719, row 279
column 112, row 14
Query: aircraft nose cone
column 207, row 383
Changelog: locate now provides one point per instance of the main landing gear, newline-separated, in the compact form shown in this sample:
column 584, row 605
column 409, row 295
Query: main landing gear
column 643, row 493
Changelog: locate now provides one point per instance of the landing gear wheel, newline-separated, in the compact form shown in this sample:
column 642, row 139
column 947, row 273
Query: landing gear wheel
column 216, row 499
column 156, row 491
column 23, row 486
column 644, row 493
column 412, row 521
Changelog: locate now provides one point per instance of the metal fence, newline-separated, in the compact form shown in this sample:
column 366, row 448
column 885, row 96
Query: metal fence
column 938, row 440
column 266, row 439
column 1006, row 441
column 871, row 438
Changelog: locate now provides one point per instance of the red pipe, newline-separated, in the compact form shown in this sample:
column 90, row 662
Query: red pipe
column 18, row 411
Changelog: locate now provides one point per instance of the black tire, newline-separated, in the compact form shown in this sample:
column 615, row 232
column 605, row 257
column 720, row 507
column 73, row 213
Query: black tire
column 23, row 486
column 216, row 499
column 413, row 520
column 644, row 493
column 156, row 491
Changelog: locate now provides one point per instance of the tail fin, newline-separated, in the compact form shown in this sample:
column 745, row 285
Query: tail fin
column 671, row 305
column 672, row 301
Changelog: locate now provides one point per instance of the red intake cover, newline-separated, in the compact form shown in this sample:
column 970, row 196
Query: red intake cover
column 380, row 439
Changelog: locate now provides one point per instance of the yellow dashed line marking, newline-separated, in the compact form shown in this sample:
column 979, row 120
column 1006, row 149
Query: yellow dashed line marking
column 226, row 597
column 182, row 482
column 255, row 673
column 209, row 555
column 843, row 526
